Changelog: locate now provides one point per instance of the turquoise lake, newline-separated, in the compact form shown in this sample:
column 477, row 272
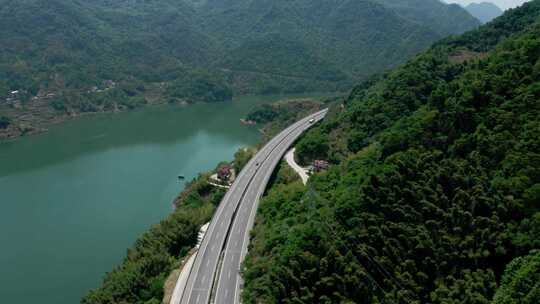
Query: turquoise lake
column 75, row 198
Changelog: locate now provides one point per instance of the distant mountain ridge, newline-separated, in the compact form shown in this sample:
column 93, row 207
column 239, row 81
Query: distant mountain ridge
column 435, row 15
column 484, row 11
column 175, row 50
column 433, row 189
column 341, row 38
column 321, row 40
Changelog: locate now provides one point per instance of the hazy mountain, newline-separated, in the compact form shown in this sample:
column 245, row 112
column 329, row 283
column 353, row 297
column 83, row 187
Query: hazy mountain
column 485, row 11
column 435, row 15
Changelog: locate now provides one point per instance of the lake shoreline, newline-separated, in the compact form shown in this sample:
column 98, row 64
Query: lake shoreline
column 100, row 182
column 42, row 124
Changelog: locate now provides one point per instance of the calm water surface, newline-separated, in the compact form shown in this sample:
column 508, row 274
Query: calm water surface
column 73, row 199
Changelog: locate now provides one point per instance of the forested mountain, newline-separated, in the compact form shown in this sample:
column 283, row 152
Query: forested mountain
column 64, row 57
column 330, row 41
column 433, row 193
column 61, row 44
column 81, row 43
column 484, row 11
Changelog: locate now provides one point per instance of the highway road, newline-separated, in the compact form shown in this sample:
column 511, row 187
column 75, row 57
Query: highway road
column 228, row 233
column 230, row 281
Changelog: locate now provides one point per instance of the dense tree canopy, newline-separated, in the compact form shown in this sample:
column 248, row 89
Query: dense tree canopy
column 521, row 281
column 434, row 187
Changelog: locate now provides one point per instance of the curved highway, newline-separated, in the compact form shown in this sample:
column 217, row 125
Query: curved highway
column 228, row 234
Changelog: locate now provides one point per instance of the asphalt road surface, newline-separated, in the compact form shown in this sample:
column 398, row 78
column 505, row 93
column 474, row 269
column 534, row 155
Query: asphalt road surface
column 229, row 229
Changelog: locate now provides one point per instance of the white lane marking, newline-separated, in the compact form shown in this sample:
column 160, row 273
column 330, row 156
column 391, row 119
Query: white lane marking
column 219, row 213
column 198, row 298
column 268, row 153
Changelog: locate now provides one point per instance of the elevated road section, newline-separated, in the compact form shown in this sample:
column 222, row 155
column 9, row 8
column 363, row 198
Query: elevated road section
column 228, row 233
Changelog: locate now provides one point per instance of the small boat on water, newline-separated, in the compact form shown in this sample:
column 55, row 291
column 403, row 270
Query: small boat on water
column 181, row 177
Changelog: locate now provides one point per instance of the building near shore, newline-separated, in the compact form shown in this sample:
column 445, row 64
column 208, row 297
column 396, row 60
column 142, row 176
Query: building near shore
column 319, row 165
column 224, row 173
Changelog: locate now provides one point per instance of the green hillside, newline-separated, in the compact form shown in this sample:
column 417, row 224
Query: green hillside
column 62, row 45
column 332, row 41
column 65, row 57
column 434, row 186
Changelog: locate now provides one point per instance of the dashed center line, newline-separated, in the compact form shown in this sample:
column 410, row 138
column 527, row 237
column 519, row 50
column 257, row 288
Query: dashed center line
column 226, row 224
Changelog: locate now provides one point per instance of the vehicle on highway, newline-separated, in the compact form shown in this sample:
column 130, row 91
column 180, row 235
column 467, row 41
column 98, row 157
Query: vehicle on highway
column 312, row 120
column 221, row 252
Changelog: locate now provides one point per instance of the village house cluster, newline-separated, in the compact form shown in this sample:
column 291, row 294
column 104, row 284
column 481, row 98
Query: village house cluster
column 16, row 97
